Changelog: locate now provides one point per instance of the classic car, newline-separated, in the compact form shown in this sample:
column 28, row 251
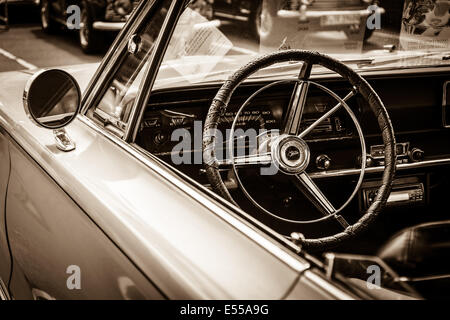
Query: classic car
column 96, row 18
column 349, row 16
column 185, row 167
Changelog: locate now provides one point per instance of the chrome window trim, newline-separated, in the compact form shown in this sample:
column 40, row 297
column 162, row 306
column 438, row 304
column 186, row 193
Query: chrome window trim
column 4, row 295
column 444, row 105
column 115, row 53
column 155, row 60
column 327, row 286
column 118, row 50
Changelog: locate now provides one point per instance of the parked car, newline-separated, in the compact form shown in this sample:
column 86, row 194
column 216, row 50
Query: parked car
column 97, row 17
column 318, row 15
column 184, row 167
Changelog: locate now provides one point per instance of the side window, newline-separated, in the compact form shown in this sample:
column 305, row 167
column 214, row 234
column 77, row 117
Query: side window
column 114, row 107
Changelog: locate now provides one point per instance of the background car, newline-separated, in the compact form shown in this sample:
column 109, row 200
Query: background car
column 96, row 17
column 348, row 15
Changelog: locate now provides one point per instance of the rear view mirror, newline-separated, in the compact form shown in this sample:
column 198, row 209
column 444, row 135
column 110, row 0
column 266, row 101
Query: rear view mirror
column 52, row 99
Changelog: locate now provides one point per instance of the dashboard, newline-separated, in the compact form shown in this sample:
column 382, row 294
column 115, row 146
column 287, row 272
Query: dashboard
column 265, row 112
column 416, row 103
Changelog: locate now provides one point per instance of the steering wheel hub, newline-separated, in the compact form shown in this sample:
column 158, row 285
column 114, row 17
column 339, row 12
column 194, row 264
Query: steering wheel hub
column 290, row 154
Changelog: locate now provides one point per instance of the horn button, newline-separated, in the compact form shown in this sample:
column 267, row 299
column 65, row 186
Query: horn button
column 291, row 154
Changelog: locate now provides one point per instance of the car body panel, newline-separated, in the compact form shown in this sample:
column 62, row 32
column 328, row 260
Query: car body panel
column 46, row 264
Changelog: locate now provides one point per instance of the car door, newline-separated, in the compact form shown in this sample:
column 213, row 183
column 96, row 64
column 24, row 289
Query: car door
column 58, row 251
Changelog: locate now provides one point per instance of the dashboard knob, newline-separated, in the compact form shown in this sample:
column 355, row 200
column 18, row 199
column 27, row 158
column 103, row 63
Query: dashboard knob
column 159, row 138
column 323, row 162
column 416, row 155
column 369, row 161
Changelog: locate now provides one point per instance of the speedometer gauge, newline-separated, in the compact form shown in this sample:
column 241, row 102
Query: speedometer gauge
column 256, row 119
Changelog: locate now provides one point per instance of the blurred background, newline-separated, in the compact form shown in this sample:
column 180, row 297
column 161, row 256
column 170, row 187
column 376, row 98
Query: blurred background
column 37, row 36
column 25, row 45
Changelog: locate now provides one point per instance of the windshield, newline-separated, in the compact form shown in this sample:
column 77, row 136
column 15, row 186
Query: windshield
column 213, row 38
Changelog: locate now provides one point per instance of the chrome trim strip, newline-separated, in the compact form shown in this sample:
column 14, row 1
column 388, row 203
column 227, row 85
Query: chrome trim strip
column 154, row 62
column 26, row 94
column 107, row 69
column 108, row 26
column 429, row 278
column 444, row 105
column 402, row 166
column 4, row 295
column 230, row 16
column 327, row 286
column 292, row 260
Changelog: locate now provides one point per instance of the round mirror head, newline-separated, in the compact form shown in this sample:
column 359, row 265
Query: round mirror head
column 52, row 99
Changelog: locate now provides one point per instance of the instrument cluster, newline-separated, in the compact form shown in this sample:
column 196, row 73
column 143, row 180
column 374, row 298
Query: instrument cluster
column 163, row 128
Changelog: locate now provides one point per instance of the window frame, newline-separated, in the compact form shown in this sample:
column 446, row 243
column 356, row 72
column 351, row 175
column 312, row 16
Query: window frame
column 113, row 60
column 137, row 113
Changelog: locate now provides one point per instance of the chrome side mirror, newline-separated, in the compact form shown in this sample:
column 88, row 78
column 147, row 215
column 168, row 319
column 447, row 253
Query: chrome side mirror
column 52, row 100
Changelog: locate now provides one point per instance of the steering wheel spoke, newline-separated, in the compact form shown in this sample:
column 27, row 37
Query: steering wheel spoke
column 308, row 187
column 253, row 160
column 294, row 113
column 295, row 109
column 259, row 159
column 327, row 114
column 305, row 184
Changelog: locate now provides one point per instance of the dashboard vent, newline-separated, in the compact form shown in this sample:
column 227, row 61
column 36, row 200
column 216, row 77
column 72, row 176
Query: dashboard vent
column 446, row 105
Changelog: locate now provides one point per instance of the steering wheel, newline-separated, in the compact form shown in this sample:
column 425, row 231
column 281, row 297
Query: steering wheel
column 288, row 152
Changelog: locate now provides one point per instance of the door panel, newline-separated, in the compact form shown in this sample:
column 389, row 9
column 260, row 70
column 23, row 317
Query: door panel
column 5, row 263
column 50, row 236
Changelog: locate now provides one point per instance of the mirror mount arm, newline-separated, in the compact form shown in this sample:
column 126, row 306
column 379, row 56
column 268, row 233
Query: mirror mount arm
column 63, row 141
